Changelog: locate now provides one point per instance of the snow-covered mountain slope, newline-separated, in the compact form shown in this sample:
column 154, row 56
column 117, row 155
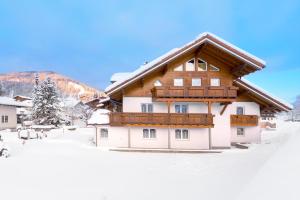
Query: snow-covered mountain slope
column 21, row 83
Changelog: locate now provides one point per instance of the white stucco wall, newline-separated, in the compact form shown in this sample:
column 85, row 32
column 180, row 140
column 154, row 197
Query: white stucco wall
column 117, row 137
column 198, row 139
column 133, row 104
column 252, row 135
column 137, row 140
column 222, row 135
column 11, row 112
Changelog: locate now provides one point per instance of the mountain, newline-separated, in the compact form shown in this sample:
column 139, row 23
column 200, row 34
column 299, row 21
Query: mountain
column 21, row 83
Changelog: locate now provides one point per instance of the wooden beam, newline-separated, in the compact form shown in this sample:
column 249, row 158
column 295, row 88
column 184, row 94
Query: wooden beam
column 237, row 71
column 142, row 82
column 216, row 100
column 198, row 51
column 209, row 107
column 224, row 108
column 171, row 126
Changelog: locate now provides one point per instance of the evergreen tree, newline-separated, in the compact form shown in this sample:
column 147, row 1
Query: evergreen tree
column 1, row 89
column 46, row 105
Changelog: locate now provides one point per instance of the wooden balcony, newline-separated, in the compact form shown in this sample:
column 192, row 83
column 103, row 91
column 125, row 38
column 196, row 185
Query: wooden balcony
column 208, row 92
column 244, row 120
column 161, row 119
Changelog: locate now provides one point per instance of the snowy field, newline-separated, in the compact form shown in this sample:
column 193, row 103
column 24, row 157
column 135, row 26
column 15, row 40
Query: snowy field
column 67, row 166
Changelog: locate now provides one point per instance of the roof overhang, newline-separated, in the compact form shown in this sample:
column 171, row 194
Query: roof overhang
column 254, row 90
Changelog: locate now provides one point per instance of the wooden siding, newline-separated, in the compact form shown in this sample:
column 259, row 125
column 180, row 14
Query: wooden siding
column 170, row 119
column 195, row 92
column 166, row 75
column 244, row 120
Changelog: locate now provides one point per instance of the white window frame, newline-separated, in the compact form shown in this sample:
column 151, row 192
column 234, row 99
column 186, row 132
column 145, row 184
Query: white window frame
column 148, row 107
column 149, row 135
column 188, row 66
column 198, row 67
column 178, row 68
column 194, row 83
column 181, row 134
column 178, row 82
column 243, row 107
column 215, row 69
column 157, row 83
column 243, row 131
column 181, row 107
column 212, row 83
column 104, row 133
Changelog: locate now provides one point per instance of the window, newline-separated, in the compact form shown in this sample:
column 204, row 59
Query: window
column 181, row 134
column 103, row 133
column 240, row 131
column 4, row 119
column 178, row 82
column 190, row 65
column 157, row 83
column 239, row 110
column 178, row 68
column 181, row 108
column 196, row 81
column 147, row 107
column 149, row 133
column 202, row 66
column 213, row 68
column 214, row 82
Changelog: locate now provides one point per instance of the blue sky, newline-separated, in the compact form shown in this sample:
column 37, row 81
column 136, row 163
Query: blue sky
column 89, row 40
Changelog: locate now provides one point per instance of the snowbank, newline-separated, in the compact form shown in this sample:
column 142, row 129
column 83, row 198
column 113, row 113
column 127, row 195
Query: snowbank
column 100, row 116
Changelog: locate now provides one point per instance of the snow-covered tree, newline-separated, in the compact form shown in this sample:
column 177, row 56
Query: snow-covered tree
column 1, row 89
column 46, row 105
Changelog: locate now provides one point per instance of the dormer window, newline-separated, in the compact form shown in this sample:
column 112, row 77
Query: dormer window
column 157, row 83
column 179, row 68
column 202, row 65
column 213, row 68
column 190, row 65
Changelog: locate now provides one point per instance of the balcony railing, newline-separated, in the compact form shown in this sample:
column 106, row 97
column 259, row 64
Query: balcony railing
column 169, row 119
column 195, row 92
column 244, row 120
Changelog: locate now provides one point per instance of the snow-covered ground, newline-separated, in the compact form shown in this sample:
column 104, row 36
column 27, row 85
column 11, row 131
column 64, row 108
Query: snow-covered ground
column 68, row 166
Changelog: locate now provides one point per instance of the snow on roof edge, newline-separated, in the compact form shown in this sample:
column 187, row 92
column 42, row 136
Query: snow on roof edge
column 234, row 47
column 285, row 103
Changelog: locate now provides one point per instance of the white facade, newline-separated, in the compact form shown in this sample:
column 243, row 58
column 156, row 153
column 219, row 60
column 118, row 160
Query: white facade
column 8, row 117
column 222, row 135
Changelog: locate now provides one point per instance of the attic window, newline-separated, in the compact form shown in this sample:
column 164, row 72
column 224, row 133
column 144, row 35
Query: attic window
column 157, row 83
column 213, row 68
column 190, row 65
column 178, row 68
column 202, row 66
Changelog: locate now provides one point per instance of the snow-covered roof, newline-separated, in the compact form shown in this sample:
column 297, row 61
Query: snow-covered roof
column 99, row 117
column 70, row 102
column 24, row 97
column 285, row 106
column 12, row 102
column 119, row 76
column 248, row 58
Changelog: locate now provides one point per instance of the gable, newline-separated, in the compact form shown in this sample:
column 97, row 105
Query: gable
column 194, row 65
column 242, row 62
